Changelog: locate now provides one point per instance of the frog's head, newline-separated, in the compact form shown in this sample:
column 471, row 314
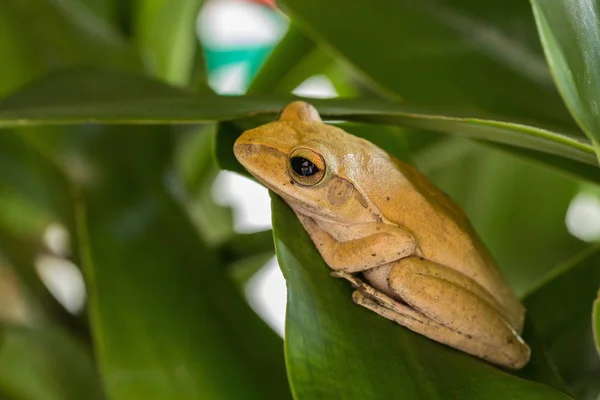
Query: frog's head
column 308, row 163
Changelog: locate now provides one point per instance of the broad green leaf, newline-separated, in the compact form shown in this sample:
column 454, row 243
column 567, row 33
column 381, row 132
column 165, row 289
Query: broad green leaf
column 18, row 215
column 336, row 349
column 570, row 34
column 42, row 189
column 296, row 58
column 27, row 172
column 452, row 52
column 36, row 35
column 570, row 167
column 194, row 157
column 559, row 308
column 568, row 292
column 166, row 37
column 78, row 96
column 108, row 10
column 165, row 317
column 46, row 364
column 28, row 169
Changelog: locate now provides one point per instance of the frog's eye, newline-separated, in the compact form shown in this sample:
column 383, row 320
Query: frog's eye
column 306, row 166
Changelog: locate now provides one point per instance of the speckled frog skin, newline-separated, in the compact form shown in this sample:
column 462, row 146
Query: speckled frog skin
column 407, row 248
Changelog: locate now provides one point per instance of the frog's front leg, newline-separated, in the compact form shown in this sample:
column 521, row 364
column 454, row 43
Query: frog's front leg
column 383, row 245
column 442, row 295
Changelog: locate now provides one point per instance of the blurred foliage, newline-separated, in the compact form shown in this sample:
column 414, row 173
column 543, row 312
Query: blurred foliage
column 111, row 130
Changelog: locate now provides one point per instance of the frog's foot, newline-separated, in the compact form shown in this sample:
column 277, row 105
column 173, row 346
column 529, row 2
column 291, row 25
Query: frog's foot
column 407, row 316
column 448, row 299
column 375, row 295
column 420, row 324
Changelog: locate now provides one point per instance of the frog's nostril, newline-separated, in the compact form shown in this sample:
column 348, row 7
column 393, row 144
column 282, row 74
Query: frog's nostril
column 246, row 149
column 244, row 152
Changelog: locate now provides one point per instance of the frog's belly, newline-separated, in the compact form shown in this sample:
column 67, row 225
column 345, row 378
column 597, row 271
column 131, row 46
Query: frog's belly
column 378, row 278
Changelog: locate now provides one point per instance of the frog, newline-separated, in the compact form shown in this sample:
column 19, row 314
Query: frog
column 409, row 251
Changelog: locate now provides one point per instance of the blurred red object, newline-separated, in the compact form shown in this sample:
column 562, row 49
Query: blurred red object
column 270, row 3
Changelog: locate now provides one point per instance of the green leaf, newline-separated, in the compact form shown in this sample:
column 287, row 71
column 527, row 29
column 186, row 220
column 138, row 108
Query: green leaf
column 559, row 307
column 64, row 33
column 165, row 317
column 198, row 169
column 26, row 170
column 570, row 34
column 451, row 53
column 46, row 364
column 77, row 96
column 166, row 37
column 243, row 245
column 296, row 58
column 29, row 175
column 568, row 292
column 105, row 9
column 18, row 215
column 336, row 349
column 570, row 167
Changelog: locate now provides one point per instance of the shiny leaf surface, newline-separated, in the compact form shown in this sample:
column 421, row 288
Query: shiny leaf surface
column 46, row 364
column 458, row 52
column 336, row 349
column 165, row 317
column 568, row 292
column 166, row 37
column 100, row 96
column 65, row 33
column 570, row 33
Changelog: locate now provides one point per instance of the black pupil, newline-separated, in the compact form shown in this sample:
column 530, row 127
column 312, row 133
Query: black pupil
column 303, row 167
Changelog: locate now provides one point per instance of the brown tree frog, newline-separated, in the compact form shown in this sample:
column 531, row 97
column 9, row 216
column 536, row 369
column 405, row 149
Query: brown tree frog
column 407, row 248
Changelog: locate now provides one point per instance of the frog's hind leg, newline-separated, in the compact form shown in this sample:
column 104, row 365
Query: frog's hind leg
column 405, row 315
column 443, row 297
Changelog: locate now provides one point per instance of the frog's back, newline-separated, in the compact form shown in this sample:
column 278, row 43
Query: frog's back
column 442, row 229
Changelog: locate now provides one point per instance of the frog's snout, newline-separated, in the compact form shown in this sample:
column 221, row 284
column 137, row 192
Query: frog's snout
column 245, row 150
column 258, row 158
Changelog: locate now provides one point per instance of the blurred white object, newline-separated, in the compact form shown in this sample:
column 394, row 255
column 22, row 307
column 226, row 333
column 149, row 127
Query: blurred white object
column 250, row 201
column 56, row 238
column 267, row 295
column 230, row 79
column 236, row 23
column 583, row 217
column 235, row 35
column 318, row 87
column 64, row 280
